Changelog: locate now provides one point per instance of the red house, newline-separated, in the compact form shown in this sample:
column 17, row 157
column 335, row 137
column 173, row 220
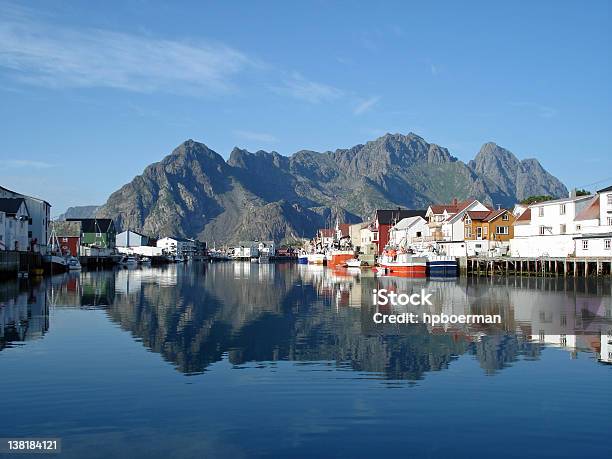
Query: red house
column 70, row 245
column 385, row 219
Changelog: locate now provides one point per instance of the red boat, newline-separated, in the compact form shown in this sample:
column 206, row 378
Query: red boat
column 340, row 257
column 393, row 262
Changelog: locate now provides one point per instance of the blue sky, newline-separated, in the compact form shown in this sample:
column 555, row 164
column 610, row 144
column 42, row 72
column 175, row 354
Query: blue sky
column 92, row 92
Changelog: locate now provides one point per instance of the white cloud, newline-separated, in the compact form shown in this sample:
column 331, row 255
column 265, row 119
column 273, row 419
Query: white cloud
column 256, row 136
column 25, row 163
column 365, row 105
column 301, row 88
column 35, row 53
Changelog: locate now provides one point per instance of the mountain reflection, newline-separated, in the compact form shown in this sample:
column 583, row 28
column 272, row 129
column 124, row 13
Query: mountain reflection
column 194, row 315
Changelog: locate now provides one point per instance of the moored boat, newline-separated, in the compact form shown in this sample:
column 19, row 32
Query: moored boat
column 340, row 257
column 353, row 263
column 303, row 258
column 316, row 258
column 442, row 265
column 405, row 263
column 74, row 264
column 56, row 263
column 128, row 261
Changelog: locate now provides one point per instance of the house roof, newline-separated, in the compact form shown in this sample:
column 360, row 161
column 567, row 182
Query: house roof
column 524, row 218
column 392, row 216
column 486, row 215
column 344, row 229
column 326, row 232
column 594, row 236
column 23, row 195
column 93, row 225
column 453, row 208
column 591, row 211
column 10, row 206
column 609, row 188
column 478, row 214
column 558, row 201
column 407, row 222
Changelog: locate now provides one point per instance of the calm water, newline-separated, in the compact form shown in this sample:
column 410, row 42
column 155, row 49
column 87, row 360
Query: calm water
column 283, row 360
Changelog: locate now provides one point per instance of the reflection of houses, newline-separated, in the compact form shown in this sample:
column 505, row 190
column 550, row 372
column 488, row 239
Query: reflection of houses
column 24, row 315
column 14, row 217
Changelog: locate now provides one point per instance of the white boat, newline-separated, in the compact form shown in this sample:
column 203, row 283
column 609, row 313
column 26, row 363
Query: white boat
column 128, row 261
column 353, row 263
column 179, row 258
column 145, row 261
column 74, row 264
column 316, row 258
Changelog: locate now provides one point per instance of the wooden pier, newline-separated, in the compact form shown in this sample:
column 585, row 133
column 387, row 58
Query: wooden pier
column 540, row 266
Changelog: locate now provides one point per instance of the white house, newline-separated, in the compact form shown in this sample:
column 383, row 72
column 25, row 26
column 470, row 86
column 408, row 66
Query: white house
column 408, row 231
column 453, row 228
column 39, row 220
column 131, row 239
column 548, row 228
column 177, row 246
column 247, row 249
column 596, row 225
column 14, row 217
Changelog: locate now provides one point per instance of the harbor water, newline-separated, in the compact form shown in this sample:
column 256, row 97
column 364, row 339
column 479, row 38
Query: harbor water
column 241, row 359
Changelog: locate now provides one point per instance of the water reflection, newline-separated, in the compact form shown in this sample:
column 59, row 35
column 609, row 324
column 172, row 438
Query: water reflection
column 195, row 314
column 24, row 313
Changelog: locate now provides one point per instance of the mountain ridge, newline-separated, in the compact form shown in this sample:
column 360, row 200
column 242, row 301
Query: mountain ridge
column 194, row 192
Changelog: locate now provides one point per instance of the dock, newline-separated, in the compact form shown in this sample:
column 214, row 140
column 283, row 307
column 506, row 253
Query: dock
column 536, row 266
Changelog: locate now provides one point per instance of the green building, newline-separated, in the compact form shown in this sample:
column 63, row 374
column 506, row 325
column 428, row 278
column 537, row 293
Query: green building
column 97, row 232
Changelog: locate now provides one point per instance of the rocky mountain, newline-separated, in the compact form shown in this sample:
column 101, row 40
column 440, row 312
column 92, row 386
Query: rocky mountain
column 79, row 212
column 194, row 192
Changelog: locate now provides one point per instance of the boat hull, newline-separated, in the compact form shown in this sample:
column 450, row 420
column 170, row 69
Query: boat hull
column 303, row 260
column 442, row 268
column 417, row 268
column 317, row 259
column 339, row 258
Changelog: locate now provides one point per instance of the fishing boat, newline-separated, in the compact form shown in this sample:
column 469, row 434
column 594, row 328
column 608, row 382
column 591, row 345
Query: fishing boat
column 402, row 262
column 442, row 265
column 128, row 261
column 74, row 264
column 353, row 263
column 339, row 257
column 55, row 260
column 145, row 261
column 316, row 259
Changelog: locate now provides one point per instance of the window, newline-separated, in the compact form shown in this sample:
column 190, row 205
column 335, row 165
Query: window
column 542, row 230
column 468, row 231
column 501, row 230
column 540, row 211
column 609, row 221
column 562, row 229
column 610, row 199
column 607, row 243
column 578, row 227
column 585, row 244
column 468, row 221
column 505, row 217
column 562, row 209
column 485, row 230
